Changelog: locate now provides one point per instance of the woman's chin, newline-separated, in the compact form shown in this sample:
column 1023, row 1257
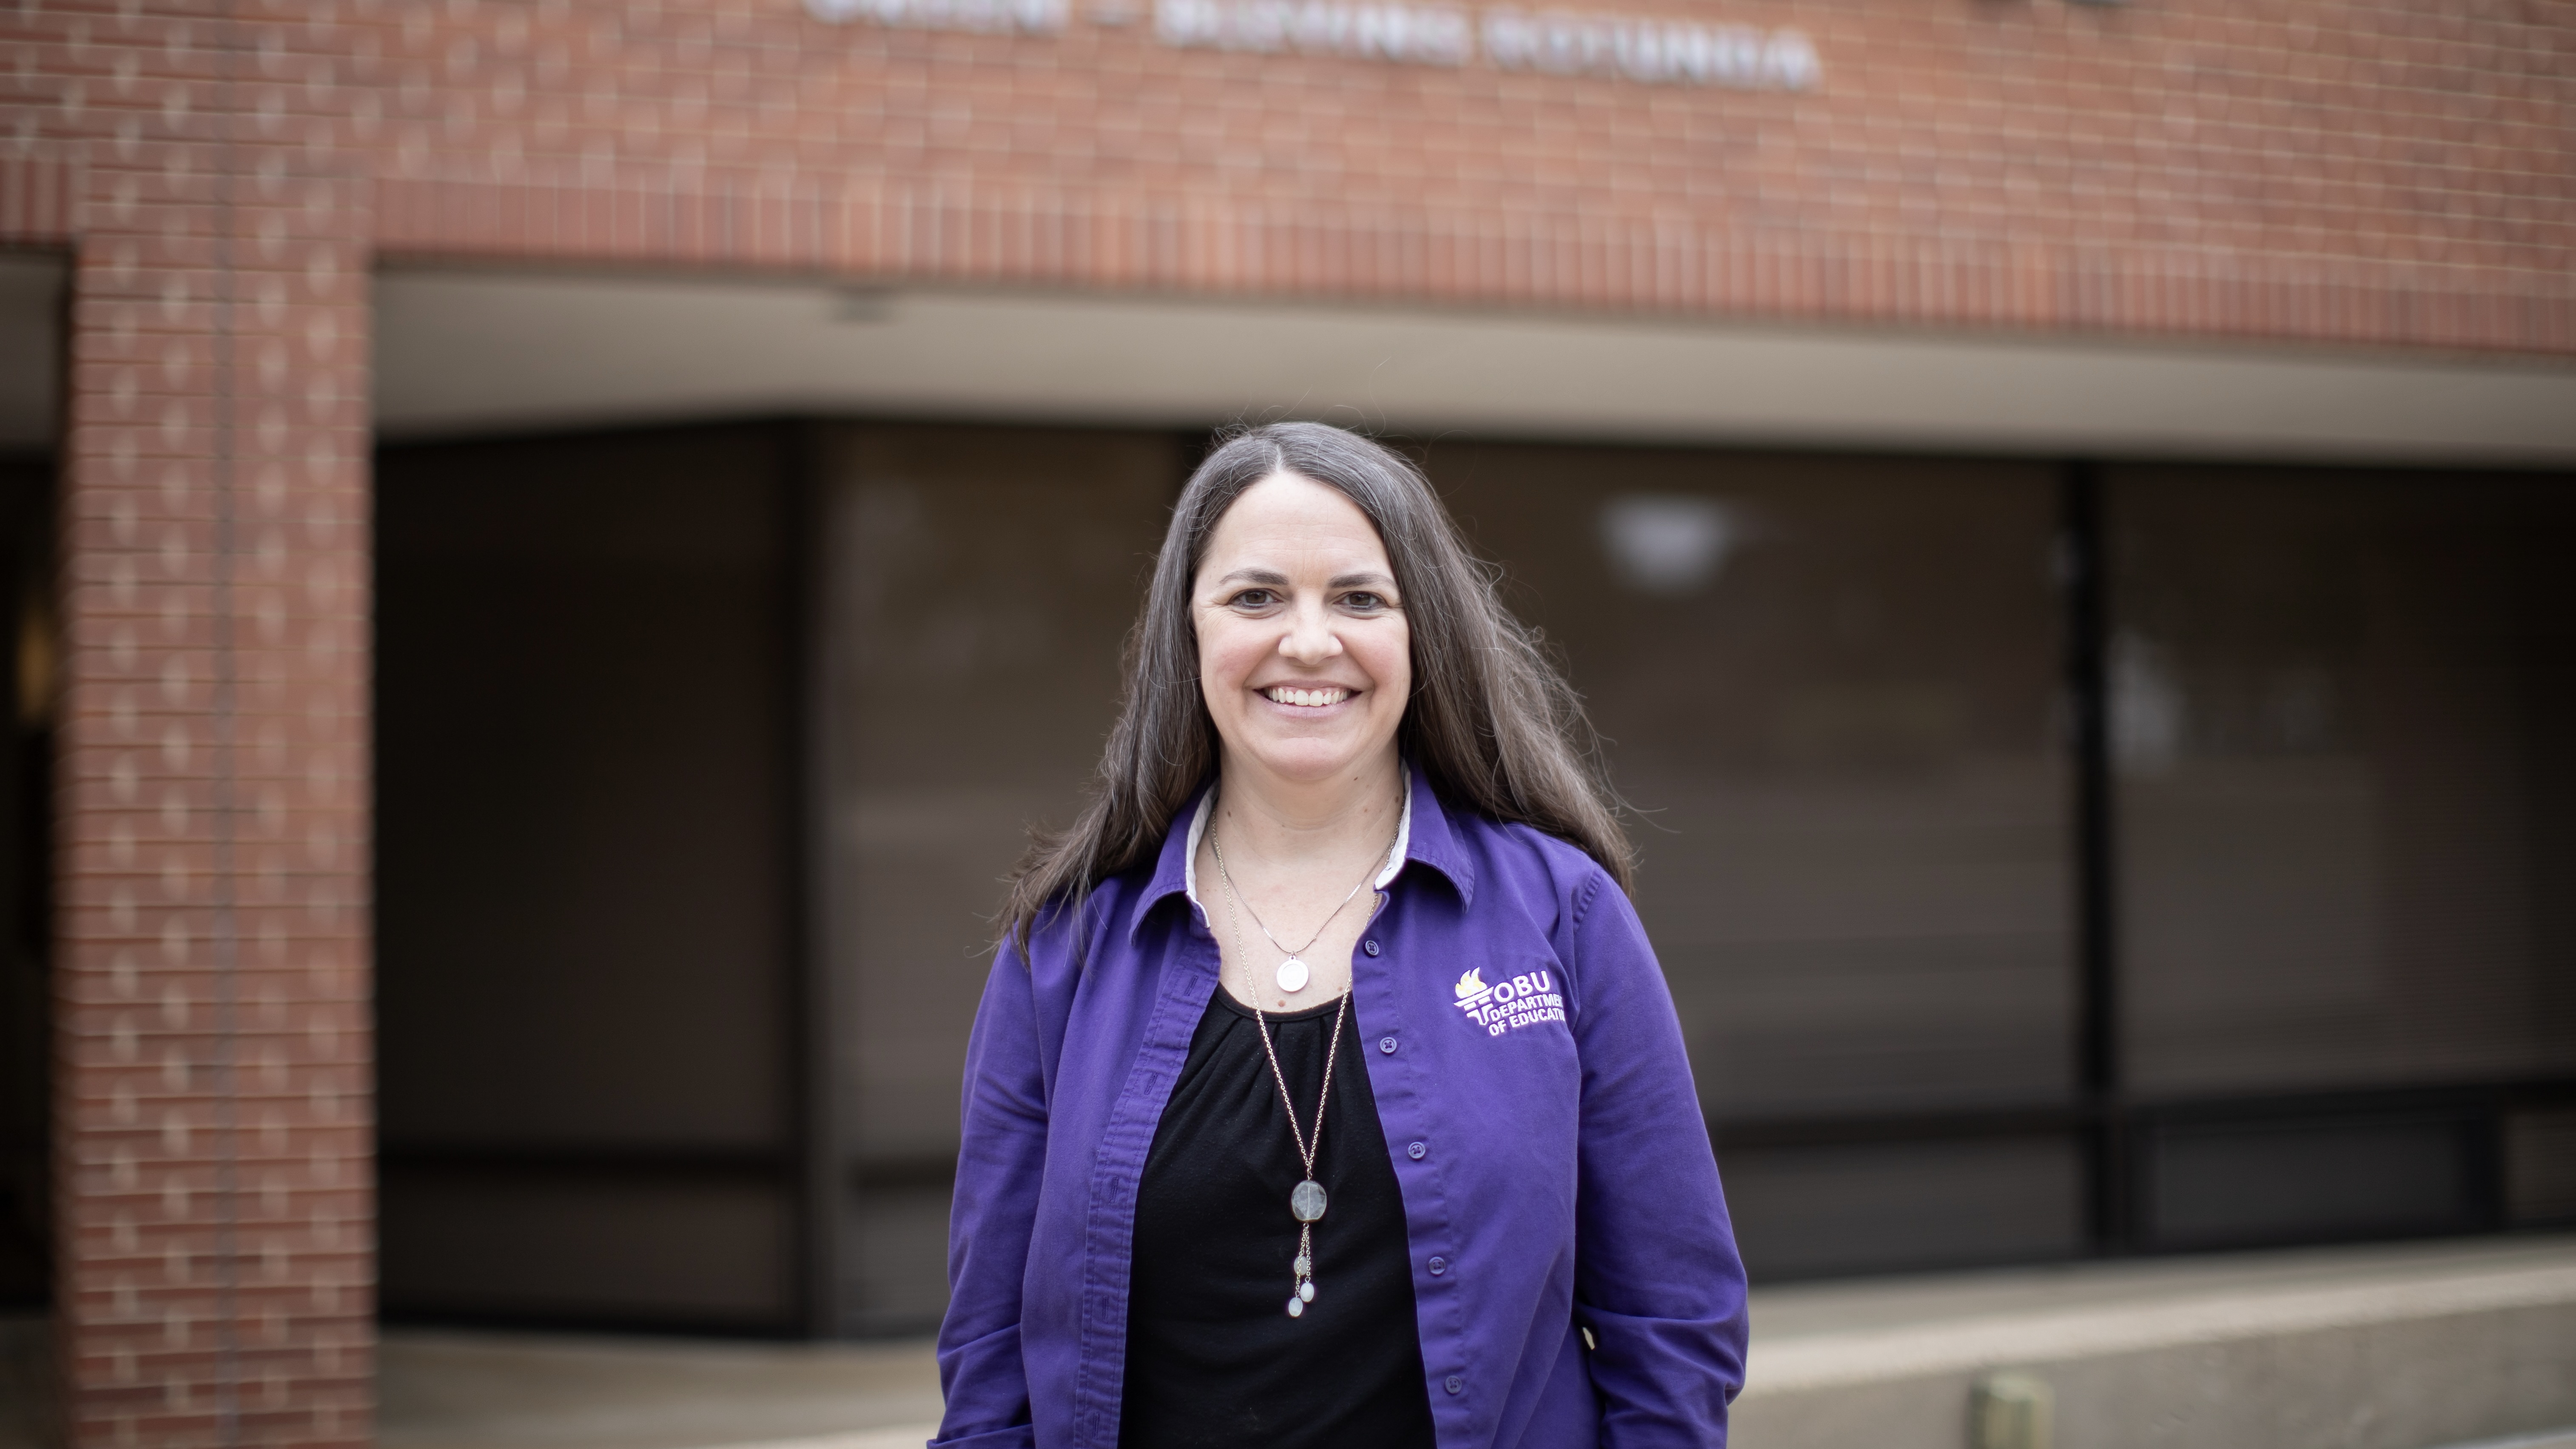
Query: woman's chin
column 1311, row 759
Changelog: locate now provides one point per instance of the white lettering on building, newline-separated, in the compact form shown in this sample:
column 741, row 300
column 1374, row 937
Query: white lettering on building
column 1564, row 42
column 1420, row 34
column 1551, row 42
column 1030, row 17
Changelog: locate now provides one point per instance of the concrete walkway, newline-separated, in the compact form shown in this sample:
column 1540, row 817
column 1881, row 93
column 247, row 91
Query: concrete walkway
column 2406, row 1347
column 2375, row 1348
column 2337, row 1349
column 2467, row 1344
column 513, row 1391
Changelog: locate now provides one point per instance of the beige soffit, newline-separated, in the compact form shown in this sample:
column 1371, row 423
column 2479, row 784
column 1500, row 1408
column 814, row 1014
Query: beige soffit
column 470, row 351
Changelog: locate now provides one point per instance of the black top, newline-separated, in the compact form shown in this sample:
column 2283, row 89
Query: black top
column 1213, row 1359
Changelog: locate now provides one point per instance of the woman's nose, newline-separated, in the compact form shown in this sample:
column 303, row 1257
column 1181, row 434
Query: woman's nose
column 1310, row 636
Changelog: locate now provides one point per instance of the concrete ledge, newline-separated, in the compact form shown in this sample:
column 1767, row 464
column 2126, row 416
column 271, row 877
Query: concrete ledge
column 2463, row 1345
column 443, row 1390
column 2404, row 1347
column 2396, row 1349
column 915, row 1436
column 2557, row 1439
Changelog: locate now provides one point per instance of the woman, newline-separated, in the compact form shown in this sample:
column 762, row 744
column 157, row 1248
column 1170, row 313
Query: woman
column 1325, row 1090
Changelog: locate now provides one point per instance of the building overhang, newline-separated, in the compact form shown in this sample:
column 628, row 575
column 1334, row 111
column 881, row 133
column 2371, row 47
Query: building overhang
column 470, row 351
column 463, row 351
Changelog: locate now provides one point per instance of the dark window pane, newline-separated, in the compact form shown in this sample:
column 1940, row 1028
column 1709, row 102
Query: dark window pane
column 1831, row 687
column 682, row 1249
column 26, row 929
column 2234, row 1184
column 2346, row 799
column 979, row 583
column 583, row 805
column 2540, row 1167
column 1801, row 1211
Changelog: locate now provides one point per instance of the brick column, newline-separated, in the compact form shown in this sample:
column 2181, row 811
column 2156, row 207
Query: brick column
column 213, row 1143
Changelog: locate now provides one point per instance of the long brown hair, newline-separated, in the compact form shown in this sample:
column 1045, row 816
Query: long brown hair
column 1491, row 722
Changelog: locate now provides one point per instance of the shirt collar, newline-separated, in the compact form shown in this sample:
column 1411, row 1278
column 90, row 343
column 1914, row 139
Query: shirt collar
column 1422, row 833
column 1431, row 838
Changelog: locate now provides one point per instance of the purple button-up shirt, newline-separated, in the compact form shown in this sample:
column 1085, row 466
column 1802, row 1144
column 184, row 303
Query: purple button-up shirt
column 1575, row 1281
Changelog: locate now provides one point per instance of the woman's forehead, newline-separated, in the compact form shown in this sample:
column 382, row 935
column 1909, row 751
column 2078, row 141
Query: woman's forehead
column 1287, row 520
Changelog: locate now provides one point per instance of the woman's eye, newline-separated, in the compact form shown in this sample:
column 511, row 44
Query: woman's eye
column 1255, row 599
column 1364, row 601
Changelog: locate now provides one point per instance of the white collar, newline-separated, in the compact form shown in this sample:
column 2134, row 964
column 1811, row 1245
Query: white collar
column 1199, row 819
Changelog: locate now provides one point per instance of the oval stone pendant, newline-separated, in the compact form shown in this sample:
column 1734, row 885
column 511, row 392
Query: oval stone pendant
column 1296, row 1307
column 1305, row 1292
column 1307, row 1202
column 1292, row 975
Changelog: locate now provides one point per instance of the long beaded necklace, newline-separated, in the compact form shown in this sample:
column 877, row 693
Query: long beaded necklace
column 1306, row 1201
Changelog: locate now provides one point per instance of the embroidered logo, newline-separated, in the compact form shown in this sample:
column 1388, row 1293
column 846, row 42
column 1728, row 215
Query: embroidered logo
column 1509, row 1005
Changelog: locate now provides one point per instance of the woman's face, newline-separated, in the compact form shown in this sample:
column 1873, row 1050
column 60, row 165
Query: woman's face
column 1304, row 654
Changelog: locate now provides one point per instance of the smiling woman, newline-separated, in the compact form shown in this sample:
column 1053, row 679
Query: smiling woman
column 1304, row 654
column 1305, row 665
column 1235, row 1167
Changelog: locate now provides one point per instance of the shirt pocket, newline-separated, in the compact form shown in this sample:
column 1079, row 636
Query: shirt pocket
column 1511, row 1072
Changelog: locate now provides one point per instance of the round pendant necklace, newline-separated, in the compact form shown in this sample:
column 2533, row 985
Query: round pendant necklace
column 1306, row 1201
column 1292, row 973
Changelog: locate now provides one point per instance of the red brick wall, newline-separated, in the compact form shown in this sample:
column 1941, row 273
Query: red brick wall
column 225, row 171
column 213, row 1135
column 2333, row 171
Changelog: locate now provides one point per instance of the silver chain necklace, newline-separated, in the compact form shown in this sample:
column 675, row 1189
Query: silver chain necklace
column 1292, row 972
column 1306, row 1200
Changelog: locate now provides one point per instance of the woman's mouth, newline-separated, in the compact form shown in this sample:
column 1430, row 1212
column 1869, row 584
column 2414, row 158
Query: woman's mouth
column 1304, row 698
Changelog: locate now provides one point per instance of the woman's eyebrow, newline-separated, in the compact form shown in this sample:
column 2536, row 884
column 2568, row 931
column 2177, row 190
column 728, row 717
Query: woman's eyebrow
column 1272, row 578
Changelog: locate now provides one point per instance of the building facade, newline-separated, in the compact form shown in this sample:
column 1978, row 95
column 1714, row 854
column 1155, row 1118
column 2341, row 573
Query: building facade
column 559, row 545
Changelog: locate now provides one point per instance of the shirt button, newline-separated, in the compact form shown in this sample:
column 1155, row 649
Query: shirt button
column 1386, row 1044
column 1453, row 1384
column 1369, row 945
column 1415, row 1151
column 1438, row 1267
